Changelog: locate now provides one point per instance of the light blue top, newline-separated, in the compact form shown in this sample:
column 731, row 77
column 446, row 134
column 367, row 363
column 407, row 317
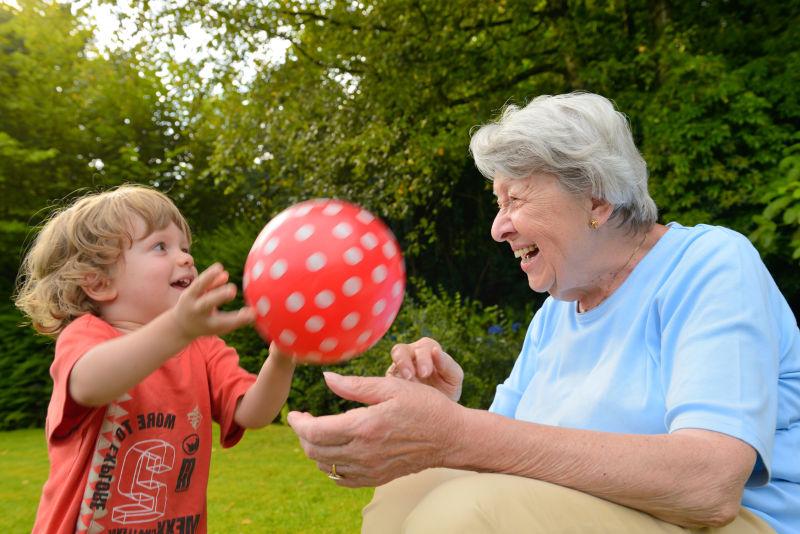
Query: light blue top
column 698, row 336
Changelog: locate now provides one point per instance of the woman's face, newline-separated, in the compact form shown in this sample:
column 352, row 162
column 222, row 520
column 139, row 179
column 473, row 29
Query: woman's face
column 547, row 228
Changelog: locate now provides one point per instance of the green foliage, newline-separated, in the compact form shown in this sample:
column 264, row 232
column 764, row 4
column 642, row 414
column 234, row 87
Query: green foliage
column 375, row 100
column 25, row 384
column 779, row 223
column 70, row 120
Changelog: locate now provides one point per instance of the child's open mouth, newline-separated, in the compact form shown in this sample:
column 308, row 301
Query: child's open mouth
column 182, row 283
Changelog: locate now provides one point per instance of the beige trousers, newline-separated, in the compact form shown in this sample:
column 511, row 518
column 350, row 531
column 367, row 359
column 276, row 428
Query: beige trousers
column 447, row 501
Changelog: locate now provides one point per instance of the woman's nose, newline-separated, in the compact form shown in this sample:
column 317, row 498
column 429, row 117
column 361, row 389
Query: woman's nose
column 501, row 226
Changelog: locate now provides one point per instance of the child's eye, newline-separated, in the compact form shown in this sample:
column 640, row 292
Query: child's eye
column 186, row 250
column 160, row 246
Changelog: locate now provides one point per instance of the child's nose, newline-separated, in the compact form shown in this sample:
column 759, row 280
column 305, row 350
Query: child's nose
column 185, row 259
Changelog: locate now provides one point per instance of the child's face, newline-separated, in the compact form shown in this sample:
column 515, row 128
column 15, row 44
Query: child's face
column 150, row 276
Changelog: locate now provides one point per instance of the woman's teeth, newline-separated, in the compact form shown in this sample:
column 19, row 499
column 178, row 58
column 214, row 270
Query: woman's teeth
column 527, row 252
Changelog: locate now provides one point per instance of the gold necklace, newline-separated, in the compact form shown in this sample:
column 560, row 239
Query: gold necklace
column 614, row 276
column 627, row 262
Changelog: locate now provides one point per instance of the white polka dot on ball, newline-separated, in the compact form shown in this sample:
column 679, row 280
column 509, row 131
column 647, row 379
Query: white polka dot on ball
column 369, row 241
column 378, row 307
column 364, row 336
column 324, row 299
column 302, row 211
column 295, row 301
column 353, row 255
column 328, row 344
column 334, row 208
column 365, row 217
column 350, row 320
column 342, row 230
column 304, row 232
column 379, row 274
column 271, row 245
column 278, row 269
column 262, row 306
column 351, row 286
column 315, row 323
column 313, row 357
column 389, row 250
column 397, row 288
column 315, row 262
column 258, row 268
column 287, row 337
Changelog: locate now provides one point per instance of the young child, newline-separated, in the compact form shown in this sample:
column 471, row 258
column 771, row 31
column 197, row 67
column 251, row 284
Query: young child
column 139, row 371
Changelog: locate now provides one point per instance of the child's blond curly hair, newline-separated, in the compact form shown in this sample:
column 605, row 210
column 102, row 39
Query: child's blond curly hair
column 81, row 244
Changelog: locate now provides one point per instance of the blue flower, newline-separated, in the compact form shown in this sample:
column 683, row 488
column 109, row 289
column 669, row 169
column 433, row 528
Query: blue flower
column 515, row 326
column 495, row 329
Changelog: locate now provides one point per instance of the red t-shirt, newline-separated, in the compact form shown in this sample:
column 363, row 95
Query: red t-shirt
column 141, row 463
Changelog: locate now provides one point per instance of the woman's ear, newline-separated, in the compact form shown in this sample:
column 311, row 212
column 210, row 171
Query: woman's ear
column 601, row 210
column 98, row 287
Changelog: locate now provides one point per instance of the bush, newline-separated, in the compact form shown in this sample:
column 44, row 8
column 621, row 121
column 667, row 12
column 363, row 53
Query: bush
column 25, row 383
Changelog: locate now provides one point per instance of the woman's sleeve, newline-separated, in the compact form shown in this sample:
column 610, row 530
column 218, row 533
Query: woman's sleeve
column 509, row 393
column 720, row 346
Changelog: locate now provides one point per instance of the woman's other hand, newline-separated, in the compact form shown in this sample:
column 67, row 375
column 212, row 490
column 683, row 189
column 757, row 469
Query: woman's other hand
column 425, row 362
column 405, row 428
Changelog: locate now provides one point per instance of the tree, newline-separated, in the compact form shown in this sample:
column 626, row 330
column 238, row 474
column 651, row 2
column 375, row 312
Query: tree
column 375, row 100
column 70, row 119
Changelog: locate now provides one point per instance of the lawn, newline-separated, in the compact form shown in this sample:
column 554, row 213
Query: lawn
column 264, row 484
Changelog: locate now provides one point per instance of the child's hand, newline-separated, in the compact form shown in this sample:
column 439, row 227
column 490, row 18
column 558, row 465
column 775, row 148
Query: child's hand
column 196, row 312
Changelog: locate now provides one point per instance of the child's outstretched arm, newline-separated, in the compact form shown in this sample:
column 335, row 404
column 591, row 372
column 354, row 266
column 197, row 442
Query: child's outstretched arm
column 263, row 401
column 110, row 369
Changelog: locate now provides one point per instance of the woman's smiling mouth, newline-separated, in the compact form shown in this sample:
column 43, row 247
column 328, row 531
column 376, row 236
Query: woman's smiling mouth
column 526, row 253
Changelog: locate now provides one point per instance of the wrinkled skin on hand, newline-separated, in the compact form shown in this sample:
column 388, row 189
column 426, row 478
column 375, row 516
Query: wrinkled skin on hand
column 406, row 427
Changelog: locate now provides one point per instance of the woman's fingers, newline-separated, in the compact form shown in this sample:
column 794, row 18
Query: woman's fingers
column 423, row 360
column 402, row 362
column 414, row 360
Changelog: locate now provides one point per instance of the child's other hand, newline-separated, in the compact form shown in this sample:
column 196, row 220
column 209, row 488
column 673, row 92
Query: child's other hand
column 196, row 312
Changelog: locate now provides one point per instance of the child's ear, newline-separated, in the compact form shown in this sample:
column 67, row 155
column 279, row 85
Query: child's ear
column 98, row 288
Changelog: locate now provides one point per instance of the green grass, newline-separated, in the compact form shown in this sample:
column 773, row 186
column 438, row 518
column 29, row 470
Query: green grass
column 263, row 484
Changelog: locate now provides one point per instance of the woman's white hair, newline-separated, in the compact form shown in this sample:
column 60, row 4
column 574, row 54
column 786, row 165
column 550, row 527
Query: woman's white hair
column 580, row 139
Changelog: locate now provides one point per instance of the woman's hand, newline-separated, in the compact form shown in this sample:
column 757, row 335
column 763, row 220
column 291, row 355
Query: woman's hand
column 424, row 361
column 405, row 428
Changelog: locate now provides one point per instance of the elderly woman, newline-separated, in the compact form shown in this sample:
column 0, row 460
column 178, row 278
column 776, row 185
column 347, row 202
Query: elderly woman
column 658, row 387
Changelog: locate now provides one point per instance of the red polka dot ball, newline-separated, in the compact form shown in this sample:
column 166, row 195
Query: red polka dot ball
column 326, row 279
